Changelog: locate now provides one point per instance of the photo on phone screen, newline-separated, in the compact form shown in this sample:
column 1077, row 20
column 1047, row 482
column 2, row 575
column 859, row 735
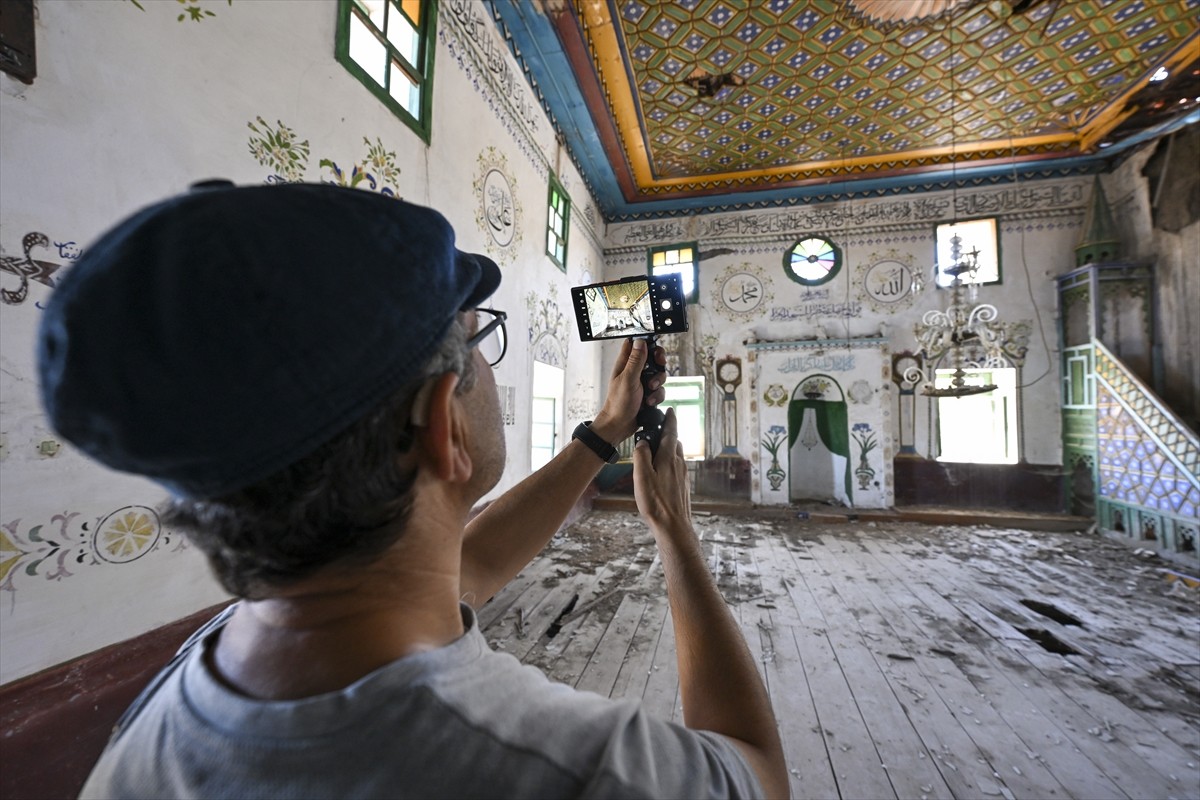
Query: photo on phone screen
column 637, row 306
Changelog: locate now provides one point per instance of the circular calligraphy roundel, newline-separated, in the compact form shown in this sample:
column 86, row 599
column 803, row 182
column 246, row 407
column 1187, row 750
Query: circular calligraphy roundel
column 742, row 292
column 812, row 261
column 498, row 212
column 888, row 282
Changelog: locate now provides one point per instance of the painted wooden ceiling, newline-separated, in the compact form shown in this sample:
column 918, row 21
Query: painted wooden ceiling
column 691, row 103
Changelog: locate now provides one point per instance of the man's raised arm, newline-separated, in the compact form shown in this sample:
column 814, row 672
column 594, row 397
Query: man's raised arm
column 718, row 682
column 515, row 527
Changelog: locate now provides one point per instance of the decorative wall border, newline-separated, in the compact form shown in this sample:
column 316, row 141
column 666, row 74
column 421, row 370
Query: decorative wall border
column 69, row 541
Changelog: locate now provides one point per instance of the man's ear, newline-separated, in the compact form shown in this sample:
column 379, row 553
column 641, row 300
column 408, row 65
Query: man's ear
column 444, row 437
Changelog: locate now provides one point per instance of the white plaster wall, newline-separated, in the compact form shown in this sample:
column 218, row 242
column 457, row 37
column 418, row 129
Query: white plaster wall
column 1039, row 226
column 130, row 106
column 1175, row 257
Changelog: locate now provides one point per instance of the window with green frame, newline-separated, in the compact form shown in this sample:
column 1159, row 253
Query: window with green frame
column 679, row 258
column 686, row 396
column 558, row 224
column 388, row 45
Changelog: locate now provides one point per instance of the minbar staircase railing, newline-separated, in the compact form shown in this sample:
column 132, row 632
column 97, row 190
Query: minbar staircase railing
column 1148, row 461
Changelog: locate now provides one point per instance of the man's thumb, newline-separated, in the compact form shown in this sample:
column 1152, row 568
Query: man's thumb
column 637, row 356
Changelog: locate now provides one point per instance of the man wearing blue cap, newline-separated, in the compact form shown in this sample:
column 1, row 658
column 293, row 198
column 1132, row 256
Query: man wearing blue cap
column 307, row 373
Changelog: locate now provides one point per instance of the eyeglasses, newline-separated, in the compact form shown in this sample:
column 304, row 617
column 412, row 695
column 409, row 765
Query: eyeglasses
column 491, row 336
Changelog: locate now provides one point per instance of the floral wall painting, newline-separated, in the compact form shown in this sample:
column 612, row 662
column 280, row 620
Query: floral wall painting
column 776, row 395
column 741, row 292
column 865, row 438
column 860, row 392
column 71, row 542
column 192, row 10
column 499, row 212
column 384, row 174
column 287, row 156
column 771, row 442
column 279, row 150
column 26, row 268
column 889, row 281
column 547, row 330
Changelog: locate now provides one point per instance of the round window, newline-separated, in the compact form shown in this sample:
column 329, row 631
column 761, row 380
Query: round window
column 812, row 261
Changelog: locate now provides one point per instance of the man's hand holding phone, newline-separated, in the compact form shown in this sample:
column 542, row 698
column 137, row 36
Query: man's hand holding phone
column 617, row 419
column 661, row 485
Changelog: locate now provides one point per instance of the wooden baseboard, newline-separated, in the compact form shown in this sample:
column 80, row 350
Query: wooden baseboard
column 54, row 724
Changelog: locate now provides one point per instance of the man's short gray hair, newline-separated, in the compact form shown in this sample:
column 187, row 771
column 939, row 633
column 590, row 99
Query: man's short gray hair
column 346, row 502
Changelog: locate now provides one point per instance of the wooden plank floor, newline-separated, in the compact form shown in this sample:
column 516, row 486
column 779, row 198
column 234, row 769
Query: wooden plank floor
column 903, row 660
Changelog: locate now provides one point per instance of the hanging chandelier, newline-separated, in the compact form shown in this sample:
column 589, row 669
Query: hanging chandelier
column 970, row 337
column 964, row 336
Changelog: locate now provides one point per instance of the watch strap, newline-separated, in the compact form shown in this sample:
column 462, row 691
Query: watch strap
column 584, row 433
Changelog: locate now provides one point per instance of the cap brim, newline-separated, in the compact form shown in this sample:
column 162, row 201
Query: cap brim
column 489, row 279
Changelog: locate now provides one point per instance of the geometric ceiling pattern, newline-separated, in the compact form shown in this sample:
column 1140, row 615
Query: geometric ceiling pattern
column 700, row 98
column 810, row 85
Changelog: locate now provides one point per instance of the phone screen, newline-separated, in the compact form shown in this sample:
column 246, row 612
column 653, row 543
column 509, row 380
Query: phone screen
column 637, row 306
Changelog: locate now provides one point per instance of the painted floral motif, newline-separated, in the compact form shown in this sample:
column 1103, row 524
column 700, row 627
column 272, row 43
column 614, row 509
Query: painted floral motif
column 775, row 395
column 126, row 534
column 192, row 10
column 386, row 174
column 865, row 437
column 27, row 268
column 547, row 330
column 69, row 541
column 279, row 150
column 814, row 388
column 771, row 443
column 706, row 354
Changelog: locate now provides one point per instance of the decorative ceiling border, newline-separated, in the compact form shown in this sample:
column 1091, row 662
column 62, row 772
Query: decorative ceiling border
column 591, row 141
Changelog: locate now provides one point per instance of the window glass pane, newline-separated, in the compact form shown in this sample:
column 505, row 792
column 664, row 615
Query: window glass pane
column 686, row 391
column 413, row 9
column 403, row 36
column 541, row 434
column 374, row 9
column 974, row 235
column 405, row 90
column 686, row 396
column 658, row 259
column 981, row 428
column 367, row 51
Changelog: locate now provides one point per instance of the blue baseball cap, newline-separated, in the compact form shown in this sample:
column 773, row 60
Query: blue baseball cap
column 214, row 338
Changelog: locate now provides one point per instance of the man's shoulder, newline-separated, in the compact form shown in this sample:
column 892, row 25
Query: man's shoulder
column 463, row 721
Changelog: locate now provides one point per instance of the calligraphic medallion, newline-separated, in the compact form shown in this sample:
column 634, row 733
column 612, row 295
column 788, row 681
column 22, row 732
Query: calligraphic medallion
column 889, row 283
column 499, row 212
column 742, row 292
column 498, row 208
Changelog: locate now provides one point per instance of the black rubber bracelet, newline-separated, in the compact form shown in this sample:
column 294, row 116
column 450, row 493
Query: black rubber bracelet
column 584, row 433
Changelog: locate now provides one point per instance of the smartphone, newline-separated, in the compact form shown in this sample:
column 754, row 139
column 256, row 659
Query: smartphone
column 637, row 306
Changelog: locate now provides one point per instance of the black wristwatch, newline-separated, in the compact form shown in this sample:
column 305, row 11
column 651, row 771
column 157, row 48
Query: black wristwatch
column 584, row 433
